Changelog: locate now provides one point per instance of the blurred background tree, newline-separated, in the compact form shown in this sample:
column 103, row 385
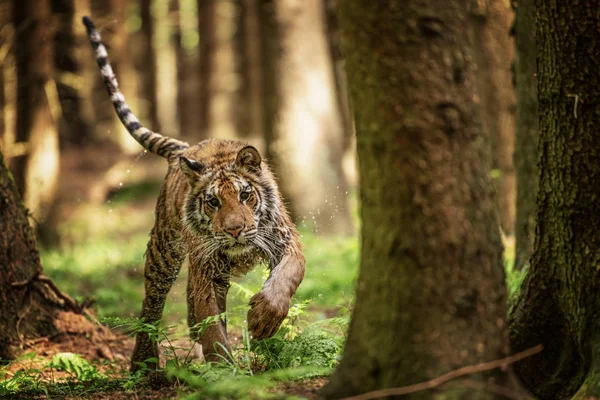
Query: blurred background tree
column 190, row 69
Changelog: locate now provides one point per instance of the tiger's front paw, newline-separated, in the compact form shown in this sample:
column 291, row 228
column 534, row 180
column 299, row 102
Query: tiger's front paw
column 266, row 314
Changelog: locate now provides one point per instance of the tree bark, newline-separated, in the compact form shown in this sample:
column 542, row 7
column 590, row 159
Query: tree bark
column 526, row 141
column 558, row 304
column 30, row 309
column 431, row 294
column 307, row 140
column 36, row 172
column 493, row 55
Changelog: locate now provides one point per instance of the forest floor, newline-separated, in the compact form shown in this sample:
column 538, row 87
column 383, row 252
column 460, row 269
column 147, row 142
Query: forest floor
column 106, row 212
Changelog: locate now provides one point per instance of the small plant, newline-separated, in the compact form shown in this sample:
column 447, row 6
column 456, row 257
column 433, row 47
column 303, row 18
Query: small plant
column 75, row 365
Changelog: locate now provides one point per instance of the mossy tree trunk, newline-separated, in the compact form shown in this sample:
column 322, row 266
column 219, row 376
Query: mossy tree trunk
column 430, row 294
column 559, row 303
column 30, row 306
column 526, row 140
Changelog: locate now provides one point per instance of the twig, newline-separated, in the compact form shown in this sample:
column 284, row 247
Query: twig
column 468, row 370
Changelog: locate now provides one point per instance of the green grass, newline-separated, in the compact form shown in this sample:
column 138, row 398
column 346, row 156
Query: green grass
column 102, row 258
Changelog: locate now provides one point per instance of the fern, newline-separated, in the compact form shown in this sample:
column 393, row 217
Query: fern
column 311, row 348
column 75, row 365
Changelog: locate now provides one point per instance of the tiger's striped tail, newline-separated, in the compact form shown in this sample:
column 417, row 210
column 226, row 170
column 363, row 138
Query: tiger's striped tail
column 152, row 141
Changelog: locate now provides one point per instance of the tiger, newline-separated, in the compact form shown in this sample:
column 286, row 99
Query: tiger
column 220, row 206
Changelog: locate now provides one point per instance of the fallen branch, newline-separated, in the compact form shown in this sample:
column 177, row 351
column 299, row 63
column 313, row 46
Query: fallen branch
column 468, row 370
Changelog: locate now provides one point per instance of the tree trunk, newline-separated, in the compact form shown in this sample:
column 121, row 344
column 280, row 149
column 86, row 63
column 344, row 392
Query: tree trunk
column 149, row 91
column 526, row 141
column 341, row 91
column 251, row 70
column 74, row 129
column 558, row 305
column 223, row 97
column 270, row 45
column 430, row 295
column 7, row 80
column 30, row 307
column 307, row 146
column 109, row 16
column 166, row 67
column 36, row 173
column 494, row 52
column 188, row 86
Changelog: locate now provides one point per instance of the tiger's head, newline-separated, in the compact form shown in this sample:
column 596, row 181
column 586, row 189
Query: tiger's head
column 232, row 196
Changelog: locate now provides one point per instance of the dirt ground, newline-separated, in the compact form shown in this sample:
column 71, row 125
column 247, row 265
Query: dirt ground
column 109, row 351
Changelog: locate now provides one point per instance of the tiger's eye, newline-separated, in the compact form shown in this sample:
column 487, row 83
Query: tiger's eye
column 214, row 202
column 244, row 196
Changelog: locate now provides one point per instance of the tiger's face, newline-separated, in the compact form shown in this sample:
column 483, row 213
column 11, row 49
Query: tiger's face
column 230, row 205
column 225, row 203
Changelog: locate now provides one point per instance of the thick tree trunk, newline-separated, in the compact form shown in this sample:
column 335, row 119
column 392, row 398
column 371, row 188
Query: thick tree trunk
column 36, row 173
column 308, row 142
column 431, row 294
column 559, row 301
column 30, row 307
column 526, row 141
column 494, row 52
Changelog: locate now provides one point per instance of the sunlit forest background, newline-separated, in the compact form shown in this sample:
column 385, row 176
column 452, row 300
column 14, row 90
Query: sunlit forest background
column 269, row 74
column 191, row 70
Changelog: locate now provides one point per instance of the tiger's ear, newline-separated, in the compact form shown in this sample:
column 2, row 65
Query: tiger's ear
column 248, row 157
column 190, row 168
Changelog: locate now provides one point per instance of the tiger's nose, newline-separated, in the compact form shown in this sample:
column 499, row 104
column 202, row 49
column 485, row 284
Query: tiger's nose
column 235, row 230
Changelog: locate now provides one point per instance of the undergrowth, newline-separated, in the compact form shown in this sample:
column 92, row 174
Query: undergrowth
column 253, row 369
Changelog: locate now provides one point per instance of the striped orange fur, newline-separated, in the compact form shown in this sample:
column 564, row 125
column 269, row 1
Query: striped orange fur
column 220, row 207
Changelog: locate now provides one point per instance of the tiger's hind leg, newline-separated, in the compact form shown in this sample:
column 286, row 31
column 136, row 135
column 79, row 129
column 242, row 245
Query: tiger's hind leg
column 206, row 297
column 164, row 257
